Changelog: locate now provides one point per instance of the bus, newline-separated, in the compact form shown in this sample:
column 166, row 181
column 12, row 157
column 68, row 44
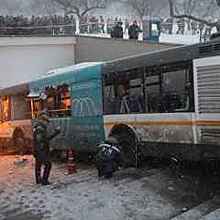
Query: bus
column 160, row 104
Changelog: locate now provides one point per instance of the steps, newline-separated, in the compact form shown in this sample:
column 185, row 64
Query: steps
column 200, row 211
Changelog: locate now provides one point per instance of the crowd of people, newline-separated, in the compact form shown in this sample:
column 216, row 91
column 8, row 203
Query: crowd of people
column 57, row 24
column 133, row 30
column 114, row 26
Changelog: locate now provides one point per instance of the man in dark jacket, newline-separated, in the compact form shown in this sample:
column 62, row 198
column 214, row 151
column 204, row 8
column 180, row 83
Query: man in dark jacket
column 41, row 150
column 133, row 31
column 108, row 158
column 117, row 31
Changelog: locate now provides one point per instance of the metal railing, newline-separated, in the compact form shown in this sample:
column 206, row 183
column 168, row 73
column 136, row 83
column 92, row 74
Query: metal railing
column 51, row 30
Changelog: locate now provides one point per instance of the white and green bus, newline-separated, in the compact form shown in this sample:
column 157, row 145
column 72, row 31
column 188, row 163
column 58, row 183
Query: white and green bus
column 159, row 104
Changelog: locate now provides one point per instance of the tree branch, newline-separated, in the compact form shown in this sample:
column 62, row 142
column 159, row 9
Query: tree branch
column 90, row 9
column 80, row 7
column 191, row 17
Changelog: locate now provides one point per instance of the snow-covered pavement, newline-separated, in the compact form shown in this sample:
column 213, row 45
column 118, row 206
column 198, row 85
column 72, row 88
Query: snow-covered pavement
column 151, row 194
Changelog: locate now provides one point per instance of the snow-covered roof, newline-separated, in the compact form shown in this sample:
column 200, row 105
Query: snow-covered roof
column 55, row 72
column 69, row 69
column 67, row 75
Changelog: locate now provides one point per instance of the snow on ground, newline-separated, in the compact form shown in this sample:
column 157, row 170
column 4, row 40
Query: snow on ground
column 151, row 194
column 179, row 39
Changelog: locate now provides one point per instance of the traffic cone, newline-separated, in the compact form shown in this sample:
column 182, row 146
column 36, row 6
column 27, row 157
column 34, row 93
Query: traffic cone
column 71, row 166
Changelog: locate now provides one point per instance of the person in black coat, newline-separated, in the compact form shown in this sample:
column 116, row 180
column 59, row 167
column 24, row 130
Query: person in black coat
column 133, row 31
column 108, row 158
column 41, row 150
column 117, row 31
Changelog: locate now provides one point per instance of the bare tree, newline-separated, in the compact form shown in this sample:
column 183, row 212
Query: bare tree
column 140, row 7
column 192, row 6
column 187, row 7
column 43, row 7
column 80, row 7
column 145, row 7
column 10, row 7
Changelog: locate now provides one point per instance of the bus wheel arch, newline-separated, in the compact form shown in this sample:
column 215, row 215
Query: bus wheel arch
column 128, row 142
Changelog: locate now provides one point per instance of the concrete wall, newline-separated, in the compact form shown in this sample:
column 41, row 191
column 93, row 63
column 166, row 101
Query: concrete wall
column 25, row 58
column 105, row 49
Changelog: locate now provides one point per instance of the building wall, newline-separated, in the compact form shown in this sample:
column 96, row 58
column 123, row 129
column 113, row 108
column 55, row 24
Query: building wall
column 26, row 58
column 105, row 49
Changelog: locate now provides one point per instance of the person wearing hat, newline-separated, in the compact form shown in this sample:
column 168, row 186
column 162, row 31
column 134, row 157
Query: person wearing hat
column 117, row 31
column 133, row 31
column 41, row 150
column 108, row 157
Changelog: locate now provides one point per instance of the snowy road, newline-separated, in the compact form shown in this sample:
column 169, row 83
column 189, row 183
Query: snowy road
column 149, row 193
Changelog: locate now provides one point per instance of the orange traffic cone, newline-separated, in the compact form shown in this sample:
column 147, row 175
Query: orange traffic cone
column 71, row 166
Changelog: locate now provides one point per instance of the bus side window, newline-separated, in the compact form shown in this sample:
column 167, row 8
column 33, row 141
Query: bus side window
column 58, row 101
column 173, row 85
column 152, row 92
column 6, row 108
column 109, row 100
column 55, row 100
column 166, row 90
column 123, row 93
column 136, row 96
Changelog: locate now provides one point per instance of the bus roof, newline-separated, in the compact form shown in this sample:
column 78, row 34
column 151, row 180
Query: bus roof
column 50, row 75
column 165, row 56
column 72, row 68
column 71, row 74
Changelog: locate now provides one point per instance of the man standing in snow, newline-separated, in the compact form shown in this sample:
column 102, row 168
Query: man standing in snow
column 133, row 31
column 117, row 31
column 41, row 148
